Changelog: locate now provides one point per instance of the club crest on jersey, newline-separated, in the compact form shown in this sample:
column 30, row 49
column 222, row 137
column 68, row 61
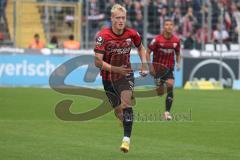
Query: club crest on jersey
column 153, row 41
column 129, row 41
column 99, row 41
column 174, row 45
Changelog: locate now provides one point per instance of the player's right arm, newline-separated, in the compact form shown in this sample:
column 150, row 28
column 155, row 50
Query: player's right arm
column 107, row 67
column 100, row 63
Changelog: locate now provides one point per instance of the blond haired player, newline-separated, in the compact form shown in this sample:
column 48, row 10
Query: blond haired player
column 112, row 56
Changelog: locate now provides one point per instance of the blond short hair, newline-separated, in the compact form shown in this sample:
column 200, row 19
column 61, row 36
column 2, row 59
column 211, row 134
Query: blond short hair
column 116, row 7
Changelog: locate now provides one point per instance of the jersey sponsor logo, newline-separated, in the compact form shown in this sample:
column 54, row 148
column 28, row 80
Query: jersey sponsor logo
column 122, row 47
column 99, row 41
column 166, row 51
column 120, row 50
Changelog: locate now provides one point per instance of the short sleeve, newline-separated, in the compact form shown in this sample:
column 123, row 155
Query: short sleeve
column 152, row 45
column 99, row 44
column 137, row 40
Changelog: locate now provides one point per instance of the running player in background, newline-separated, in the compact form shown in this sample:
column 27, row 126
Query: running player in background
column 112, row 56
column 165, row 48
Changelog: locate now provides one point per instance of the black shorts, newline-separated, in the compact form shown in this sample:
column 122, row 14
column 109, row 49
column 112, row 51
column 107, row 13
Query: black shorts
column 163, row 77
column 113, row 89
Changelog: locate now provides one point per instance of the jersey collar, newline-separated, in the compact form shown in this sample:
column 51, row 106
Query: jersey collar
column 118, row 35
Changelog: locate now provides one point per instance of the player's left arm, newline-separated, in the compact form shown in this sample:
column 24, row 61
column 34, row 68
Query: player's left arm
column 178, row 56
column 178, row 60
column 141, row 52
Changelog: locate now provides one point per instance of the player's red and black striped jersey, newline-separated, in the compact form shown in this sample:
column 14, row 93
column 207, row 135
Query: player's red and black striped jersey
column 164, row 50
column 116, row 49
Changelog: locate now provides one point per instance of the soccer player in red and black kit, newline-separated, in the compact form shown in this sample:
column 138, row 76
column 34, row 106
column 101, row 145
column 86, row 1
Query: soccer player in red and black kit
column 112, row 56
column 165, row 48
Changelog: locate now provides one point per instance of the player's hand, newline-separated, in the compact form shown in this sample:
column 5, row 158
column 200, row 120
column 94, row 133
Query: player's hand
column 178, row 66
column 123, row 70
column 152, row 70
column 144, row 70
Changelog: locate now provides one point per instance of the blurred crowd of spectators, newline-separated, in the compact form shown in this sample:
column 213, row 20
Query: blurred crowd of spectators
column 70, row 43
column 190, row 25
column 191, row 18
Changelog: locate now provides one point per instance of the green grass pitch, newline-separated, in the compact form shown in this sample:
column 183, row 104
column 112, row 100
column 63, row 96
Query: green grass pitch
column 29, row 129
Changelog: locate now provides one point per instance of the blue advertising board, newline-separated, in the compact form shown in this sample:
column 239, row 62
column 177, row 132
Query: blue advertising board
column 35, row 70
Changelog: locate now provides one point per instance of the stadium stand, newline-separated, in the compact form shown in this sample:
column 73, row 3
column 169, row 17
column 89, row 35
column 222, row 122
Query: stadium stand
column 62, row 19
column 28, row 22
column 187, row 15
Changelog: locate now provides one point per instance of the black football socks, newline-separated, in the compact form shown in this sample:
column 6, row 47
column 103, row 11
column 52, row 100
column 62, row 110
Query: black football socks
column 127, row 121
column 169, row 100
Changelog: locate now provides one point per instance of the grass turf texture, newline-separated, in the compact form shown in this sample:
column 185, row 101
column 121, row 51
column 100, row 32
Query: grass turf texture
column 29, row 129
